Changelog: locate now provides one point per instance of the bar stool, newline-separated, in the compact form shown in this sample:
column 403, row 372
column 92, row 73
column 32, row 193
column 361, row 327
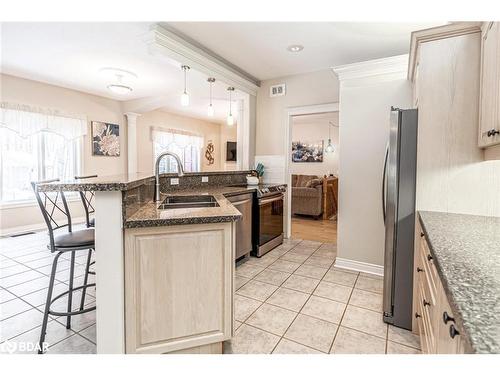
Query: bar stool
column 87, row 198
column 70, row 242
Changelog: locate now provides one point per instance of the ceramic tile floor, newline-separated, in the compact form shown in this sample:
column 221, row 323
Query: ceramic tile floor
column 292, row 300
column 25, row 265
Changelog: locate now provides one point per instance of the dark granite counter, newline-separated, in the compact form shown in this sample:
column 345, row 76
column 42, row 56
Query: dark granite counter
column 466, row 250
column 137, row 189
column 127, row 181
column 148, row 215
column 120, row 182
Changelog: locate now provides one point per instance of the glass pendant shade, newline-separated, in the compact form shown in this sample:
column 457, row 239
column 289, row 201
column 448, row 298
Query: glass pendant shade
column 329, row 147
column 185, row 99
column 230, row 120
column 210, row 111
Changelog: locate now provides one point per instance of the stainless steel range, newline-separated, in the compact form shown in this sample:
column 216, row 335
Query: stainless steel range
column 268, row 219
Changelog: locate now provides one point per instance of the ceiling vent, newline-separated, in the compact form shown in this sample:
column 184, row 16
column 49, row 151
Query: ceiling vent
column 277, row 90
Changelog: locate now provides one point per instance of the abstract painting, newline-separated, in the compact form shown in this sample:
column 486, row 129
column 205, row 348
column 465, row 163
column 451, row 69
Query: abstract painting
column 307, row 152
column 105, row 139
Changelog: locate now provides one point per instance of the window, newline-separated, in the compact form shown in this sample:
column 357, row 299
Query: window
column 186, row 145
column 36, row 146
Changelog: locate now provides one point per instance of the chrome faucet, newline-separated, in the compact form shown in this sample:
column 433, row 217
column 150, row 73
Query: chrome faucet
column 180, row 171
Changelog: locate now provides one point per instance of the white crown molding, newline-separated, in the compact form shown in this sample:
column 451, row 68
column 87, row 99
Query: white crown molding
column 354, row 265
column 174, row 46
column 436, row 33
column 395, row 65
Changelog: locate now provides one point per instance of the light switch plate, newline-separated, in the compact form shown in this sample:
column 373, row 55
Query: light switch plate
column 174, row 181
column 204, row 178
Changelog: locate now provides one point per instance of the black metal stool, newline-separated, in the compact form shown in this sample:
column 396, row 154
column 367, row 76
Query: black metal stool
column 62, row 244
column 87, row 198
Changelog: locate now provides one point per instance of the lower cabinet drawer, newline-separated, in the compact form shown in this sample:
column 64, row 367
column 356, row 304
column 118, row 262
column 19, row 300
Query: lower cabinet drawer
column 431, row 304
column 429, row 332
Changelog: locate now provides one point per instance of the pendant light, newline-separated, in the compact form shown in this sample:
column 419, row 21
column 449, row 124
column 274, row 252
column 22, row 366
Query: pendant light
column 329, row 147
column 230, row 118
column 185, row 96
column 210, row 106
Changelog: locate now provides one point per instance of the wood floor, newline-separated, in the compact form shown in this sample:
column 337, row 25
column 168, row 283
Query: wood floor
column 314, row 230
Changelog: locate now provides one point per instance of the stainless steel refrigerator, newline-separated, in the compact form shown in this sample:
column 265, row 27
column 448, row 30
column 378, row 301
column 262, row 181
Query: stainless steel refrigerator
column 398, row 203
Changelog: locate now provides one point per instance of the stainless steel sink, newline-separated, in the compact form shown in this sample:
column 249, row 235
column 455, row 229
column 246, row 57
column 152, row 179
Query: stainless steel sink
column 188, row 201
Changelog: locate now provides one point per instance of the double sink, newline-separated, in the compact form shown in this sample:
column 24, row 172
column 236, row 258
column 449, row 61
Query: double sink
column 188, row 201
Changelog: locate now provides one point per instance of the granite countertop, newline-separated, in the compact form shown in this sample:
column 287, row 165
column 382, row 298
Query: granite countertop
column 466, row 251
column 148, row 215
column 119, row 182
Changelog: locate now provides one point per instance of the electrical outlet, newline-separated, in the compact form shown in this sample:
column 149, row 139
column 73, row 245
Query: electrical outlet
column 204, row 178
column 174, row 181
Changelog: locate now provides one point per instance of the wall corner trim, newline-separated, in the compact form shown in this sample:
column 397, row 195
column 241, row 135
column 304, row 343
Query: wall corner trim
column 354, row 265
column 379, row 67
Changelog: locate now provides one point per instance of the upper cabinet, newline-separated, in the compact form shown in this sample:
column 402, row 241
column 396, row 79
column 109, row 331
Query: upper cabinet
column 489, row 101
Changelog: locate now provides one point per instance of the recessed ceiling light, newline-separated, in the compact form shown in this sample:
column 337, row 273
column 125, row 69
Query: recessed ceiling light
column 295, row 48
column 119, row 89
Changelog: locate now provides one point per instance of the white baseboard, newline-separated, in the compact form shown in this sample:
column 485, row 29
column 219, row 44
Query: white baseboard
column 32, row 227
column 355, row 265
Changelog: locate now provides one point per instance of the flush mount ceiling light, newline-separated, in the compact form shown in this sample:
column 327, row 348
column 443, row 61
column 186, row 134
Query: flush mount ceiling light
column 119, row 87
column 295, row 48
column 230, row 118
column 210, row 106
column 185, row 96
column 118, row 76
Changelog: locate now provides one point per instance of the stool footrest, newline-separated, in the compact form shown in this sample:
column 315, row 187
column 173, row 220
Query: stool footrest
column 57, row 313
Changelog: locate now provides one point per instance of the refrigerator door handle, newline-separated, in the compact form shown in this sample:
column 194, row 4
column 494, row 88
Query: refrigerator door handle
column 384, row 178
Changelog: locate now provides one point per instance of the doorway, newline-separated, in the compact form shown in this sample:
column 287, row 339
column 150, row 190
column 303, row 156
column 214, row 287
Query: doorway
column 312, row 173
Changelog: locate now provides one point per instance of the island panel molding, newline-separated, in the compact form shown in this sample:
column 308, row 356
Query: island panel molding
column 178, row 287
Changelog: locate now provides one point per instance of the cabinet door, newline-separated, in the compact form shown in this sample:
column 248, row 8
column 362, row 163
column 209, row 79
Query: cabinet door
column 178, row 287
column 489, row 96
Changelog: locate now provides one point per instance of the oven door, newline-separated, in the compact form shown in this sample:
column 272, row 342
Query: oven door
column 271, row 218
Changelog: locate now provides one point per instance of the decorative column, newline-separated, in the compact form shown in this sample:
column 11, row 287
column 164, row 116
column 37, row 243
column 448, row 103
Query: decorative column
column 132, row 141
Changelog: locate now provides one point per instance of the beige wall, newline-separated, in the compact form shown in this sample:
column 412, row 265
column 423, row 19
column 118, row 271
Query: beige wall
column 96, row 108
column 364, row 131
column 227, row 133
column 315, row 128
column 304, row 89
column 23, row 91
column 209, row 131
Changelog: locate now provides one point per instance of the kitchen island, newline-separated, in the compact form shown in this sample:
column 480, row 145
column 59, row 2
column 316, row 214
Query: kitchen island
column 464, row 251
column 164, row 277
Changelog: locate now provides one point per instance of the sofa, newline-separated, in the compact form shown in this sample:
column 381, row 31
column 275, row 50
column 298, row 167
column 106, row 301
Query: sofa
column 307, row 195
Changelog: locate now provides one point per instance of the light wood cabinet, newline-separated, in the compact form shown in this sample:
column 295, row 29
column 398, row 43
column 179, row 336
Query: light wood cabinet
column 433, row 317
column 178, row 287
column 489, row 108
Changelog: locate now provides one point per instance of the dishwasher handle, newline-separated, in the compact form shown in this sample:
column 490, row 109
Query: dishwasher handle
column 242, row 202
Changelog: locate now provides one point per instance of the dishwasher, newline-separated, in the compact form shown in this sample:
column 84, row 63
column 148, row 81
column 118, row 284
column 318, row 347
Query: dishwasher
column 243, row 202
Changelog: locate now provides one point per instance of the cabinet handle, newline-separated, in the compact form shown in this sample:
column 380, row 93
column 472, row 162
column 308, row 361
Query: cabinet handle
column 492, row 132
column 429, row 257
column 419, row 269
column 417, row 315
column 453, row 331
column 447, row 318
column 422, row 234
column 426, row 303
